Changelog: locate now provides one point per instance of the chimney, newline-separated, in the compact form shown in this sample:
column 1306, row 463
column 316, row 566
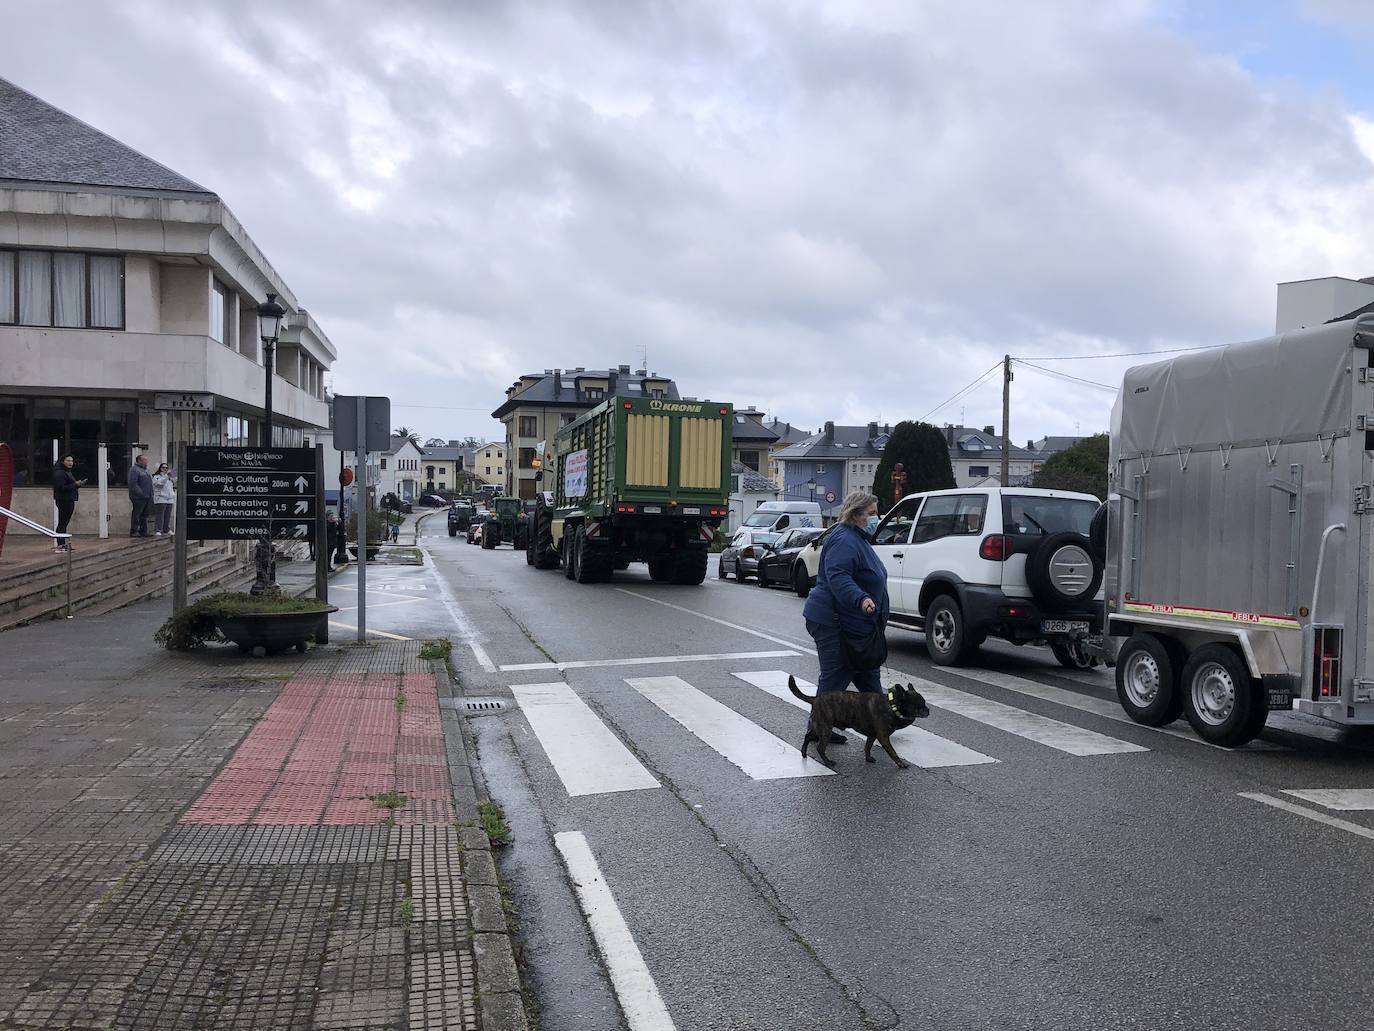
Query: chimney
column 557, row 382
column 949, row 435
column 625, row 369
column 872, row 430
column 830, row 431
column 989, row 431
column 1030, row 445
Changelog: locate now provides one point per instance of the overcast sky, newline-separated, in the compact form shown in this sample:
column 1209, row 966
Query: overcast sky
column 825, row 208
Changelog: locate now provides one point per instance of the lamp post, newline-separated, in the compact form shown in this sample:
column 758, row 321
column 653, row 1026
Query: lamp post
column 811, row 486
column 269, row 328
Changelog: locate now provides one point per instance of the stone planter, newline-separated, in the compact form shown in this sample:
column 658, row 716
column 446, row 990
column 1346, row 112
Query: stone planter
column 373, row 550
column 270, row 633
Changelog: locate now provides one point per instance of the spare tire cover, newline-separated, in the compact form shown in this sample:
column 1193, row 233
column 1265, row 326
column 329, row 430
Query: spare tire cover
column 1063, row 572
column 1097, row 533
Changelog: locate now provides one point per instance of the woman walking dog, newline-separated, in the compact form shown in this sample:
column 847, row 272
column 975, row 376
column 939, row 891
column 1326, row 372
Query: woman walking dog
column 846, row 612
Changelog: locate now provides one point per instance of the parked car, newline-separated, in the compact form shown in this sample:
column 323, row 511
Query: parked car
column 741, row 555
column 431, row 501
column 1008, row 562
column 784, row 515
column 781, row 562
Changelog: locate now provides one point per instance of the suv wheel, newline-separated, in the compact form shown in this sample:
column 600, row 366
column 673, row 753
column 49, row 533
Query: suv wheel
column 947, row 636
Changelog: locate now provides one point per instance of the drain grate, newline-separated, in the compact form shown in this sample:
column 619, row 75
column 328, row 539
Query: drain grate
column 477, row 706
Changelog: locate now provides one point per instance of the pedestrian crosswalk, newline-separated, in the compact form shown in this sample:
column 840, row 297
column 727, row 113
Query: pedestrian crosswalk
column 590, row 757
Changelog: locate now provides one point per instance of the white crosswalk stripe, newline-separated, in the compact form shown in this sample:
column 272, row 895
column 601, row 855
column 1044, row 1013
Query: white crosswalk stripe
column 1098, row 706
column 587, row 757
column 1341, row 799
column 1040, row 729
column 915, row 745
column 745, row 744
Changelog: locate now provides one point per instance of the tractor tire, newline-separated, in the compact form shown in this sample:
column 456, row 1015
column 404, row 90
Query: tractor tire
column 591, row 560
column 689, row 566
column 660, row 569
column 570, row 552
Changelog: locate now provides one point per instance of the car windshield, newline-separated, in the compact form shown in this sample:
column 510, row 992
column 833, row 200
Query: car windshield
column 762, row 519
column 1029, row 514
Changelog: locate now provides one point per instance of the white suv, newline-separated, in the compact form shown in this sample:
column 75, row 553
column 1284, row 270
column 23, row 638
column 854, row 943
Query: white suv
column 1010, row 562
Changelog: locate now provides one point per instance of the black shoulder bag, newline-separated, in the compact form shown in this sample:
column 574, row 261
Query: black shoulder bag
column 866, row 651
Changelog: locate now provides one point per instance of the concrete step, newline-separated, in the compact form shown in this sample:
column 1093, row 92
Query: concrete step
column 85, row 558
column 220, row 575
column 20, row 592
column 110, row 593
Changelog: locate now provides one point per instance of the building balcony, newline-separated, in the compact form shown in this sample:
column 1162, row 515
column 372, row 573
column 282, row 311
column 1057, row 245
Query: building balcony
column 92, row 361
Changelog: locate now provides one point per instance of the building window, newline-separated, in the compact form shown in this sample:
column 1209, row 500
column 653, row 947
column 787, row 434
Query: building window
column 429, row 473
column 595, row 394
column 820, row 468
column 488, row 473
column 383, row 463
column 68, row 289
column 529, row 425
column 568, row 417
column 527, row 457
column 219, row 312
column 978, row 470
column 657, row 392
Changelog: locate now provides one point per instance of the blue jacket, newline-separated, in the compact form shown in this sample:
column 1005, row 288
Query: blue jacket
column 140, row 483
column 850, row 572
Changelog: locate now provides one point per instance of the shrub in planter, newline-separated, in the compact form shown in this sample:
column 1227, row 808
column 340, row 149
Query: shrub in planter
column 199, row 624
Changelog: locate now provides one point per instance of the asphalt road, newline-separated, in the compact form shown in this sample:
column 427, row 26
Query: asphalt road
column 1055, row 866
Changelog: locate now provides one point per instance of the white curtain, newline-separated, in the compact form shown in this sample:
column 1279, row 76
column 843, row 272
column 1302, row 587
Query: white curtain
column 70, row 289
column 6, row 286
column 107, row 292
column 35, row 288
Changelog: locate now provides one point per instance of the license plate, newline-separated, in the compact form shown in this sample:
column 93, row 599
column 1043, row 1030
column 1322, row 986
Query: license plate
column 653, row 509
column 1063, row 626
column 691, row 511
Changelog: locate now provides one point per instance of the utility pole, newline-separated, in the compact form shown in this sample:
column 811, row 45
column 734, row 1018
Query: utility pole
column 1006, row 420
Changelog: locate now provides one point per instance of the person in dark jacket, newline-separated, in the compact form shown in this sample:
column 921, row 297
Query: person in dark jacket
column 850, row 596
column 140, row 497
column 65, row 489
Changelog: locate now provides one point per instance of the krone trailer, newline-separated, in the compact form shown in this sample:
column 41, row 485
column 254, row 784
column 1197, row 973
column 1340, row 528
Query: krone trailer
column 1239, row 525
column 636, row 480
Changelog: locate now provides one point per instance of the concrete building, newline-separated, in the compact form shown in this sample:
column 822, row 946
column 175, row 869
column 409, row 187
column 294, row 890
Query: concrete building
column 489, row 464
column 398, row 470
column 443, row 469
column 1310, row 302
column 537, row 405
column 127, row 313
column 784, row 436
column 827, row 465
column 753, row 441
column 976, row 457
column 748, row 490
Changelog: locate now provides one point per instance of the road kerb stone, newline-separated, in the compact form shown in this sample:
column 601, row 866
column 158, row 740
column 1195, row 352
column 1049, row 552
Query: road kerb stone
column 496, row 970
column 503, row 1011
column 479, row 867
column 484, row 908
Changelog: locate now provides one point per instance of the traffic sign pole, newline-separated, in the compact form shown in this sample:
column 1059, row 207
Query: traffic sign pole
column 179, row 545
column 323, row 553
column 360, row 506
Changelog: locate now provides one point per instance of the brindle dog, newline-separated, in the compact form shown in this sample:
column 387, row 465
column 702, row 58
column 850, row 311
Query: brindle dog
column 869, row 713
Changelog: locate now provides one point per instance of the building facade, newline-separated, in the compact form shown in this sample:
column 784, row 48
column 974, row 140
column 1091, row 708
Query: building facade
column 826, row 466
column 489, row 464
column 753, row 441
column 537, row 406
column 127, row 313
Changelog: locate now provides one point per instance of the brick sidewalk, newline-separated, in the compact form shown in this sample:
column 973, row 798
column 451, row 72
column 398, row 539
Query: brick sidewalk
column 197, row 841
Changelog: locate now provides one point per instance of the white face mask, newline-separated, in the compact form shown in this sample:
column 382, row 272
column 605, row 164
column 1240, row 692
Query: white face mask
column 872, row 525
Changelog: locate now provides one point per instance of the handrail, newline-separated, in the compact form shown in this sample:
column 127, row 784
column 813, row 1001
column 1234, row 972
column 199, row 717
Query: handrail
column 6, row 513
column 1321, row 565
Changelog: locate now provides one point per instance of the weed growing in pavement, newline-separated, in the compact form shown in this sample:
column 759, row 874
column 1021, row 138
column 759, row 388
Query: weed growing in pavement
column 493, row 820
column 407, row 913
column 390, row 801
column 440, row 649
column 400, row 698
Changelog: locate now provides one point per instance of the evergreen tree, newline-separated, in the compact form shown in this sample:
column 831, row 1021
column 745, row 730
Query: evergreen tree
column 924, row 456
column 1082, row 468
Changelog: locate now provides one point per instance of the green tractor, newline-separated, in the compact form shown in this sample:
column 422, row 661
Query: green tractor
column 506, row 524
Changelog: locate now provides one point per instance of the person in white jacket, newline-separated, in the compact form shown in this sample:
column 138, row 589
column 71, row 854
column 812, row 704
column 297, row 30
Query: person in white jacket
column 164, row 497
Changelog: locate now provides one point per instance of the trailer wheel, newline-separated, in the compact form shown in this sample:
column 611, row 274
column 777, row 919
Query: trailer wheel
column 660, row 569
column 570, row 551
column 1147, row 681
column 947, row 636
column 545, row 555
column 592, row 561
column 453, row 531
column 689, row 566
column 801, row 582
column 1220, row 697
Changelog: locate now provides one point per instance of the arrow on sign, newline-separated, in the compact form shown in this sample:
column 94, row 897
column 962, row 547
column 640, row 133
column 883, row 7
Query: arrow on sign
column 301, row 483
column 302, row 506
column 300, row 531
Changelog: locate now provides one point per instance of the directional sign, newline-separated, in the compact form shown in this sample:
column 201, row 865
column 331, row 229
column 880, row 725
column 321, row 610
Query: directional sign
column 239, row 493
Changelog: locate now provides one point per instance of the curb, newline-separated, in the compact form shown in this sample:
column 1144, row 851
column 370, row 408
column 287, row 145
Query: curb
column 502, row 1002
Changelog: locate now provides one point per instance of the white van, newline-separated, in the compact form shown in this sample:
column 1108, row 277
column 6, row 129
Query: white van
column 776, row 516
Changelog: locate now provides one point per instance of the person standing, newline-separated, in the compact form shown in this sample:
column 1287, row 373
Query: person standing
column 65, row 489
column 164, row 498
column 849, row 599
column 140, row 497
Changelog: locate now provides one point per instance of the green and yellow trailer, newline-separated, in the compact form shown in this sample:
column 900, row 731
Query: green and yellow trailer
column 636, row 480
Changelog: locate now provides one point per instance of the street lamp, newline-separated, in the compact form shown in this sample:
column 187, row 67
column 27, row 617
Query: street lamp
column 811, row 486
column 269, row 328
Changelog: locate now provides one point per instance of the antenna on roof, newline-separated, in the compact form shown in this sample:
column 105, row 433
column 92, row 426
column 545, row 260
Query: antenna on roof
column 644, row 357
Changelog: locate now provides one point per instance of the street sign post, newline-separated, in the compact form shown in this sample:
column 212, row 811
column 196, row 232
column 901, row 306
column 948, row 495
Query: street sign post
column 361, row 424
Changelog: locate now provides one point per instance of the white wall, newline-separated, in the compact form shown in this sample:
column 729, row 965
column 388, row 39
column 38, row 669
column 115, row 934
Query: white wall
column 1310, row 302
column 185, row 299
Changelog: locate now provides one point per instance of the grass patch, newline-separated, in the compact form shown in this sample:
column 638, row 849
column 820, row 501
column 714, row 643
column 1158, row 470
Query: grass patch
column 407, row 910
column 391, row 800
column 440, row 649
column 493, row 820
column 194, row 625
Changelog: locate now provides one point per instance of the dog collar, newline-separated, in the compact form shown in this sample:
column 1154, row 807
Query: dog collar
column 892, row 702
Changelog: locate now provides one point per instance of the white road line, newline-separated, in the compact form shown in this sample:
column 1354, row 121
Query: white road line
column 381, row 604
column 722, row 622
column 634, row 985
column 379, row 633
column 652, row 660
column 1342, row 799
column 755, row 751
column 466, row 629
column 921, row 747
column 1033, row 727
column 1311, row 814
column 588, row 758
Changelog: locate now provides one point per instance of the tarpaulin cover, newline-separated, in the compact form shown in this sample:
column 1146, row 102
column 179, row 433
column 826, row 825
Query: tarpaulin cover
column 1288, row 387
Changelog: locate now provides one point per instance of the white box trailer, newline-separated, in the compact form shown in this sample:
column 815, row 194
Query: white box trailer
column 1239, row 526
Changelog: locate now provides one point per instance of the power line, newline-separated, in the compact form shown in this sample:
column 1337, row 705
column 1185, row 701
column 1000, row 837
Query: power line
column 961, row 393
column 1121, row 354
column 1065, row 375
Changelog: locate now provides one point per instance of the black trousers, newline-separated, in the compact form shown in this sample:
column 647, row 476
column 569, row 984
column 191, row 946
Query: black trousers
column 138, row 516
column 64, row 514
